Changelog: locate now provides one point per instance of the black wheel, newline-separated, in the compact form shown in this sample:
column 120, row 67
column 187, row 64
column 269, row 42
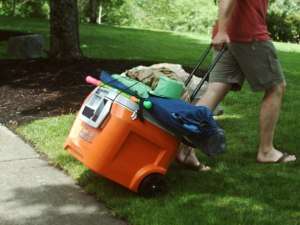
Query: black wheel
column 152, row 185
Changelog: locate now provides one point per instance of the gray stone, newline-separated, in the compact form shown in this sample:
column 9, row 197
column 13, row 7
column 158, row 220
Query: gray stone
column 26, row 46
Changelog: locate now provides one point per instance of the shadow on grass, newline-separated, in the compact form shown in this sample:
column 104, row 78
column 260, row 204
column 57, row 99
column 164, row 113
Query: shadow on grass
column 233, row 193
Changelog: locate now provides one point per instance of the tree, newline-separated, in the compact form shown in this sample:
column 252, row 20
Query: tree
column 13, row 7
column 93, row 11
column 64, row 30
column 25, row 8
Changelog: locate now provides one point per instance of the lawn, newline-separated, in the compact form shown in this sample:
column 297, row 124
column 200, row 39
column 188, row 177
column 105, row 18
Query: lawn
column 238, row 190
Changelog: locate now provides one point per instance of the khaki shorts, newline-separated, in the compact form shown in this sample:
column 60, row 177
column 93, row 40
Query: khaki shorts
column 257, row 62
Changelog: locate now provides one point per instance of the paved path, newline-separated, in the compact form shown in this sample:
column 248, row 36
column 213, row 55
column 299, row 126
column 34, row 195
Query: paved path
column 34, row 193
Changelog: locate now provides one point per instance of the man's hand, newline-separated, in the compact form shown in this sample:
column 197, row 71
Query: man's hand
column 220, row 40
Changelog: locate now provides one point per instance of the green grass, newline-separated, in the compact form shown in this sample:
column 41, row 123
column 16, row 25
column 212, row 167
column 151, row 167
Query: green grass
column 107, row 42
column 136, row 44
column 237, row 190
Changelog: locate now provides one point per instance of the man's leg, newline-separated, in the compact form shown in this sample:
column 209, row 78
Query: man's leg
column 214, row 94
column 187, row 157
column 269, row 114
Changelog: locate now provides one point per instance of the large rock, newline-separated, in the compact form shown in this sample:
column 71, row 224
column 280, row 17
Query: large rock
column 26, row 46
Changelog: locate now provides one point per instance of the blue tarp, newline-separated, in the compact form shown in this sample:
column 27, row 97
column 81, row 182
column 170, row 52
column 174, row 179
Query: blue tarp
column 108, row 79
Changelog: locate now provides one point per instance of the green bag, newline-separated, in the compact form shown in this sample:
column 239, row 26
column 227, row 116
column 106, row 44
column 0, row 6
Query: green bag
column 168, row 88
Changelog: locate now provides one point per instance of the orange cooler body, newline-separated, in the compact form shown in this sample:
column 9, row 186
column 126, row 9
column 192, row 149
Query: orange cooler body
column 109, row 139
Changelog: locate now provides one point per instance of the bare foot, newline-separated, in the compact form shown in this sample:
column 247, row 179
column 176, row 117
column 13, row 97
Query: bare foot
column 187, row 157
column 274, row 156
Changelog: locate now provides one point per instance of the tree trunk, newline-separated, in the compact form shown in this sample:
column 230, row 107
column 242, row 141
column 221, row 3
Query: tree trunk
column 93, row 11
column 99, row 21
column 64, row 30
column 13, row 8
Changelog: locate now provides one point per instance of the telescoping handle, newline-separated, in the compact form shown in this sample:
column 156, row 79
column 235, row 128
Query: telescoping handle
column 202, row 58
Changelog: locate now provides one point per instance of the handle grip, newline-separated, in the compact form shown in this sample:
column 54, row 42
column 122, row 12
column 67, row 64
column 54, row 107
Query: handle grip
column 93, row 81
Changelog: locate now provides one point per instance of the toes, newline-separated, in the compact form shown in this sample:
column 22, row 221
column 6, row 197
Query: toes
column 203, row 167
column 286, row 158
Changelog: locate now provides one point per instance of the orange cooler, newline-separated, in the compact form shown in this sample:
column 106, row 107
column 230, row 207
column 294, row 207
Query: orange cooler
column 109, row 139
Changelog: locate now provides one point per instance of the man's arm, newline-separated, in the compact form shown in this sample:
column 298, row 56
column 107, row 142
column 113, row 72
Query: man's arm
column 225, row 10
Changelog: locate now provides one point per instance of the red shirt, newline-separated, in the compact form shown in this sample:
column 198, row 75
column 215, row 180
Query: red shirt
column 248, row 21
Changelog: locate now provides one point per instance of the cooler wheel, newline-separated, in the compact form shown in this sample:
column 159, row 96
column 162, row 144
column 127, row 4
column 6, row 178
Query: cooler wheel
column 152, row 185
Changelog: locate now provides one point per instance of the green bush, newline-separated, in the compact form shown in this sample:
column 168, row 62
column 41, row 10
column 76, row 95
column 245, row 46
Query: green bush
column 284, row 27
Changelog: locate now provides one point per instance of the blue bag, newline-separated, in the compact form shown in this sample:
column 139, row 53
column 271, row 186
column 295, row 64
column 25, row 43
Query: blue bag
column 195, row 123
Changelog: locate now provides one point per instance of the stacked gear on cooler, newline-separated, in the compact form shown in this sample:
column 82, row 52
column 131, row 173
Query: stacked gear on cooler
column 195, row 124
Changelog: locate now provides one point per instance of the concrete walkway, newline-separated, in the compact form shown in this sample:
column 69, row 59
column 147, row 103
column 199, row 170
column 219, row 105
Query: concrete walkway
column 34, row 193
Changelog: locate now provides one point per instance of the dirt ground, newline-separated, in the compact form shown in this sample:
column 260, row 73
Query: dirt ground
column 31, row 89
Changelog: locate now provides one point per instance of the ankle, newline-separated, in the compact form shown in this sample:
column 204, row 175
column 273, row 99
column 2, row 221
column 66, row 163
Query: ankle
column 265, row 150
column 268, row 154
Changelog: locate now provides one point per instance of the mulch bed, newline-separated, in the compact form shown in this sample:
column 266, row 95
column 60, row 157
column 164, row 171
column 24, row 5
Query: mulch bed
column 31, row 89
